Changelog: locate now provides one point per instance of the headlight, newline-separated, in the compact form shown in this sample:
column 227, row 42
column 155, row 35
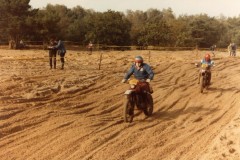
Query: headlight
column 132, row 86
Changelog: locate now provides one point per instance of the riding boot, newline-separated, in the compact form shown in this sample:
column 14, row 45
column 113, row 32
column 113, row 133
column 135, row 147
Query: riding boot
column 62, row 66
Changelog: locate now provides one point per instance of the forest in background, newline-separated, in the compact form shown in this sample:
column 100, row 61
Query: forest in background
column 19, row 21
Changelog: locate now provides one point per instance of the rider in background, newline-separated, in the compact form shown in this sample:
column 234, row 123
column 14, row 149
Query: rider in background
column 206, row 60
column 140, row 70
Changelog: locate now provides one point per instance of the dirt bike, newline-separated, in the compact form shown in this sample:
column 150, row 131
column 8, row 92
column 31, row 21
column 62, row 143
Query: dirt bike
column 137, row 96
column 205, row 77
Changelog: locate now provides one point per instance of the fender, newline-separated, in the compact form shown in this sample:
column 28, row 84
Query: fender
column 203, row 72
column 128, row 92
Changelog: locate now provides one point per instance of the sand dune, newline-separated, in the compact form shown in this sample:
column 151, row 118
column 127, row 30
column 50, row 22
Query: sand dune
column 76, row 113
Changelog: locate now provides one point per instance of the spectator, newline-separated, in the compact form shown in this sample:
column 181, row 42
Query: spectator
column 52, row 54
column 21, row 44
column 90, row 47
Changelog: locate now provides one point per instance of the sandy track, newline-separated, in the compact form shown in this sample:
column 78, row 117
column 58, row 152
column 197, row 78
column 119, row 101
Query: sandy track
column 77, row 113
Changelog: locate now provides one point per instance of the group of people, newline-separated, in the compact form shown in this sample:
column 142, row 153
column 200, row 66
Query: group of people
column 143, row 71
column 232, row 49
column 140, row 70
column 56, row 46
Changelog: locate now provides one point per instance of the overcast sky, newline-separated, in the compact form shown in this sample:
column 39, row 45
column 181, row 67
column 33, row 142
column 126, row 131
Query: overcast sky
column 228, row 8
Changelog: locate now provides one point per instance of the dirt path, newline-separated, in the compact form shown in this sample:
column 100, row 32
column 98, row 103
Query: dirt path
column 77, row 113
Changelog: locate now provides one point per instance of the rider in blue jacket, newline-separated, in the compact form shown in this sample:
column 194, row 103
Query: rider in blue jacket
column 61, row 49
column 140, row 70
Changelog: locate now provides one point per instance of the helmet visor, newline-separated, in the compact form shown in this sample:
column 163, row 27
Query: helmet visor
column 138, row 61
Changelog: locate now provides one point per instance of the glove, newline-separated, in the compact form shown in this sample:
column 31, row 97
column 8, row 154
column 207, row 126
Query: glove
column 148, row 80
column 124, row 81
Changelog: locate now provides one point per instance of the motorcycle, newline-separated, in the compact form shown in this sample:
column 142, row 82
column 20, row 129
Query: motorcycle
column 205, row 77
column 139, row 96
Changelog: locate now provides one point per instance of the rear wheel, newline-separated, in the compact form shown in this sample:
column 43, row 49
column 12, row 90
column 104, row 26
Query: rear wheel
column 128, row 109
column 149, row 105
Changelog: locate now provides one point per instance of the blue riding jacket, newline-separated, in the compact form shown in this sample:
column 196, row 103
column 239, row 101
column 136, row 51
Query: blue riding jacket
column 60, row 47
column 210, row 63
column 144, row 72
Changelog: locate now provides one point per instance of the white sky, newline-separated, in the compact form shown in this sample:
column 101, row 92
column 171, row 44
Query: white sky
column 228, row 8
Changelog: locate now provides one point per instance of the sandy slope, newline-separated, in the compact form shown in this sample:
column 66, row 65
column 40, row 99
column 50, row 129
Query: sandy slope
column 76, row 113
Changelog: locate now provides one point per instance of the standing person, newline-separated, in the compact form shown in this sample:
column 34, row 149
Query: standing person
column 61, row 50
column 212, row 48
column 21, row 44
column 230, row 49
column 90, row 47
column 52, row 54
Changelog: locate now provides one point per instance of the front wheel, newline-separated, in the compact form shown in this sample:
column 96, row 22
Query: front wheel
column 128, row 109
column 208, row 80
column 149, row 105
column 201, row 84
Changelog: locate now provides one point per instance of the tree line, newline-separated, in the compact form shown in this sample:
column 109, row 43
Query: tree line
column 18, row 20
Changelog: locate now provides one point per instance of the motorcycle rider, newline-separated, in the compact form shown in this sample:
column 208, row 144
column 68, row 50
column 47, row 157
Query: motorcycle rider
column 206, row 60
column 141, row 71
